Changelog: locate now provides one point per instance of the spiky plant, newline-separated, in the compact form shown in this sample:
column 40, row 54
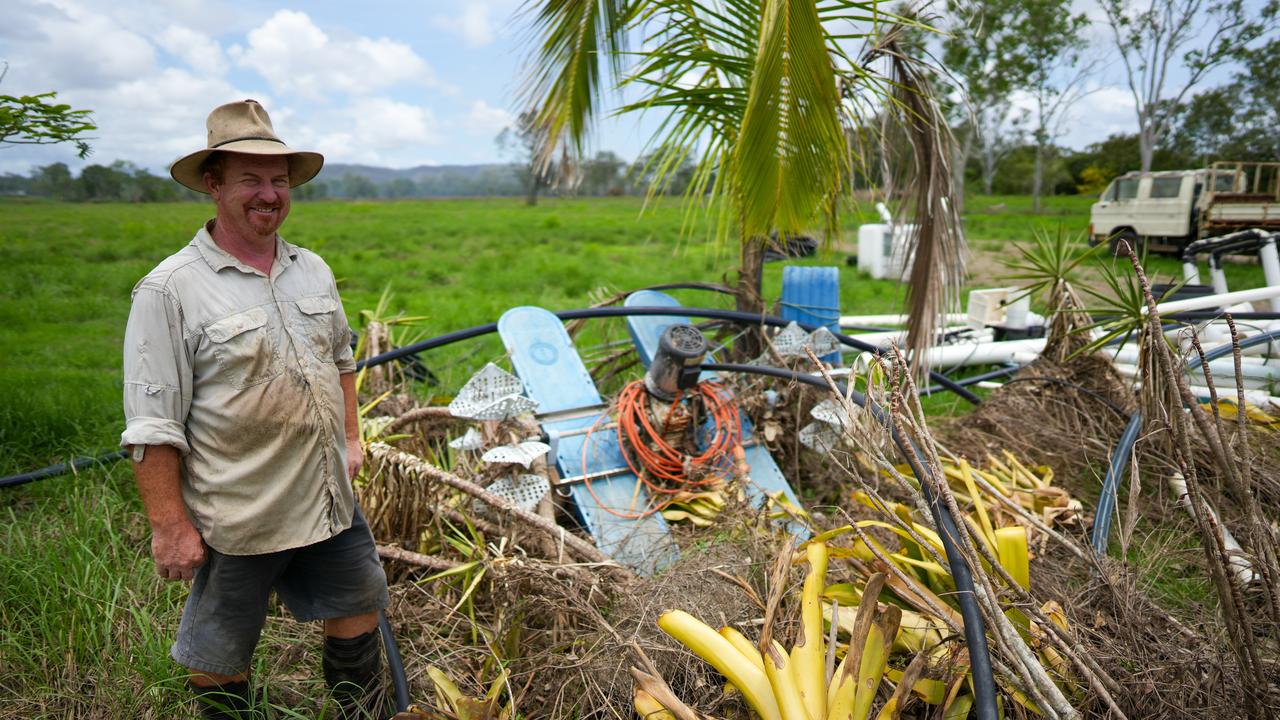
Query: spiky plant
column 1050, row 264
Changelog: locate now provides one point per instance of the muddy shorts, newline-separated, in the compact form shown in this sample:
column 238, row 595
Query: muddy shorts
column 225, row 612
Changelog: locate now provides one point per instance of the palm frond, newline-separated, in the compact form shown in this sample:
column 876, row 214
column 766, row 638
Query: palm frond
column 937, row 243
column 563, row 85
column 696, row 73
column 791, row 156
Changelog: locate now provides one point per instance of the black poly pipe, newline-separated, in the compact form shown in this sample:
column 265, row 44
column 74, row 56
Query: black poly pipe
column 1124, row 446
column 394, row 662
column 711, row 313
column 1207, row 244
column 975, row 634
column 585, row 313
column 1219, row 315
column 975, row 379
column 63, row 468
column 1110, row 484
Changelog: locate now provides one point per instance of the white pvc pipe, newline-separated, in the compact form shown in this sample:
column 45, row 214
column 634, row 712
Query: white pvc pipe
column 1226, row 384
column 983, row 353
column 1270, row 260
column 948, row 356
column 1191, row 273
column 1258, row 398
column 889, row 337
column 1128, row 353
column 1218, row 277
column 1236, row 556
column 1218, row 300
column 876, row 320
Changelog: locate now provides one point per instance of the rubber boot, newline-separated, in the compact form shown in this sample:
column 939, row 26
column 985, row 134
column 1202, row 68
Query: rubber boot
column 224, row 702
column 353, row 671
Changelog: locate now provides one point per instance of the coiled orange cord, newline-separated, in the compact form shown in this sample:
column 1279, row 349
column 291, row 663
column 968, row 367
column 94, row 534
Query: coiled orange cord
column 662, row 468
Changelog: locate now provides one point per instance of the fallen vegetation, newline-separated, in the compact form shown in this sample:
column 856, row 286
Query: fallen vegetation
column 858, row 613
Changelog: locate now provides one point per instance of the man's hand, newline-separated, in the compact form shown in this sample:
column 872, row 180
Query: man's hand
column 355, row 458
column 176, row 545
column 178, row 550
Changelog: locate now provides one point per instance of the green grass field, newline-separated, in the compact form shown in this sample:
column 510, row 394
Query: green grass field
column 83, row 620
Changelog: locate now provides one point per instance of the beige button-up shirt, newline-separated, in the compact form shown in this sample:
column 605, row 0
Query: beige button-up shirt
column 239, row 372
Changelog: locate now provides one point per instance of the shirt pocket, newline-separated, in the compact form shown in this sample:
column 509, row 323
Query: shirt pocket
column 315, row 325
column 243, row 348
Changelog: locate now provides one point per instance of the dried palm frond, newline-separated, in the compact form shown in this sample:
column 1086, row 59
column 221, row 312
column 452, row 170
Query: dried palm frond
column 937, row 242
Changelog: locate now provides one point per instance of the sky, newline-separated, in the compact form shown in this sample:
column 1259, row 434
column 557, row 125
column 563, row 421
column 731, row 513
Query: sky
column 380, row 83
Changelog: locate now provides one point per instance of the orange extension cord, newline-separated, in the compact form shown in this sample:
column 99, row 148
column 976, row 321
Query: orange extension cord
column 663, row 469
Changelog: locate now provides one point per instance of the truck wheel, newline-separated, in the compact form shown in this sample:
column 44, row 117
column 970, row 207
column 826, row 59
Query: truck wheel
column 1120, row 239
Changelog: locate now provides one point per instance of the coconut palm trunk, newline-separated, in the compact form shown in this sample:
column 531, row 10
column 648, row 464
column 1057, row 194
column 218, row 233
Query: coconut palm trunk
column 748, row 293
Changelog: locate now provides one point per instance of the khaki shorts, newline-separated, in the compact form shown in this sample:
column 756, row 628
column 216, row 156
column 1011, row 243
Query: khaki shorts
column 225, row 612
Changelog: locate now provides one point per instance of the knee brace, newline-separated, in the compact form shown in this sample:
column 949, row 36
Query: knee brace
column 352, row 666
column 223, row 702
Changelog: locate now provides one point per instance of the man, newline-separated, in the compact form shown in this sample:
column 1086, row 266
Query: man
column 240, row 410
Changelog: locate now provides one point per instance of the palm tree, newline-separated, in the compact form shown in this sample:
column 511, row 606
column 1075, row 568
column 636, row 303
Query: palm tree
column 765, row 97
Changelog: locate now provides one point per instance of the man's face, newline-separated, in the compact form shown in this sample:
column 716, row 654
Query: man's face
column 253, row 197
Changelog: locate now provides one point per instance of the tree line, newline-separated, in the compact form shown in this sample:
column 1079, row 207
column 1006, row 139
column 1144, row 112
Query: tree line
column 603, row 175
column 1010, row 72
column 1013, row 70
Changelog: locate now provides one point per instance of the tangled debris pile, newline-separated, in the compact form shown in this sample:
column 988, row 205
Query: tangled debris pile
column 505, row 607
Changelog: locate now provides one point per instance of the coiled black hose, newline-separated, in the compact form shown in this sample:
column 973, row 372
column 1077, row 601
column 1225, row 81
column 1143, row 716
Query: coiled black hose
column 975, row 634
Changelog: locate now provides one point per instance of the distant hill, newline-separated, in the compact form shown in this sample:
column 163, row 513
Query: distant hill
column 366, row 181
column 380, row 175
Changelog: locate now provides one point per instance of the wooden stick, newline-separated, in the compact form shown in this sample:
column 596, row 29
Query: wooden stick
column 415, row 415
column 431, row 562
column 417, row 466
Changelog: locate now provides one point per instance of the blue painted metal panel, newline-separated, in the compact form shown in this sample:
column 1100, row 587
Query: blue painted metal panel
column 543, row 356
column 811, row 295
column 645, row 331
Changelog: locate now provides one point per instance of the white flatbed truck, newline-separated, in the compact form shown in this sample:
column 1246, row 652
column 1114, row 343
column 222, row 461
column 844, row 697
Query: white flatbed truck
column 1167, row 210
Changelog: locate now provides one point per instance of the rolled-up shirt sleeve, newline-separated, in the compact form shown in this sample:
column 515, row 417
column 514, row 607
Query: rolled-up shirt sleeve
column 157, row 372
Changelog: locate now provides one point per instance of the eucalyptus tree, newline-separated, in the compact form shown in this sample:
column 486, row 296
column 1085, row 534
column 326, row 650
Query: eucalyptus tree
column 763, row 96
column 1051, row 54
column 980, row 51
column 1168, row 47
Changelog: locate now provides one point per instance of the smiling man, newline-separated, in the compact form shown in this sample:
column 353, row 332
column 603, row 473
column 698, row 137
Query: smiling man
column 240, row 410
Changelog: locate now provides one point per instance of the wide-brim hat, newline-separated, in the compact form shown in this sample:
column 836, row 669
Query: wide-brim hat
column 244, row 127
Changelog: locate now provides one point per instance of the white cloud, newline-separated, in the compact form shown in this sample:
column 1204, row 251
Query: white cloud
column 394, row 125
column 298, row 58
column 474, row 24
column 156, row 119
column 151, row 70
column 1102, row 111
column 199, row 51
column 372, row 131
column 1107, row 110
column 63, row 45
column 485, row 119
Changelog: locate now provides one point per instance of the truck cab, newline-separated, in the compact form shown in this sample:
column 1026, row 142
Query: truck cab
column 1167, row 210
column 1155, row 209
